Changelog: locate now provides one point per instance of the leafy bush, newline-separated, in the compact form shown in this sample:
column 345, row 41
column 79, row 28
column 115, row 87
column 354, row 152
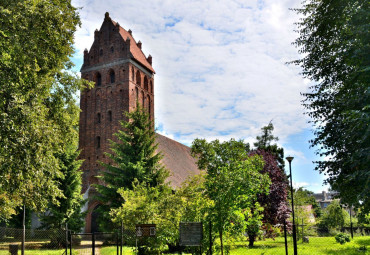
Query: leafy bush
column 342, row 238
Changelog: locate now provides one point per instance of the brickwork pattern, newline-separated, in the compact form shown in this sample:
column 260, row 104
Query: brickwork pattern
column 120, row 81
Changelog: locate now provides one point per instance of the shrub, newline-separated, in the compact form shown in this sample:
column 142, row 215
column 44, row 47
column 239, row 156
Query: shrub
column 342, row 238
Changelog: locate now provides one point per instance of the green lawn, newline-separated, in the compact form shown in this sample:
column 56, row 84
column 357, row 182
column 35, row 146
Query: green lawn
column 112, row 251
column 317, row 246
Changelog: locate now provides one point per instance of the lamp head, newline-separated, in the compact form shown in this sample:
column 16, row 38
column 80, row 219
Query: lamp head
column 289, row 158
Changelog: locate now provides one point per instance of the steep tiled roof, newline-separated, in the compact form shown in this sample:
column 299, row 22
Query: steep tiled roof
column 177, row 159
column 136, row 52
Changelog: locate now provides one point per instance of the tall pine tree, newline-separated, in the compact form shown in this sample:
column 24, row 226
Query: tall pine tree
column 135, row 158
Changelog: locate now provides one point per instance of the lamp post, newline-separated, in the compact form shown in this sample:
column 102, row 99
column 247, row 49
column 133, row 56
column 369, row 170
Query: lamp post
column 289, row 158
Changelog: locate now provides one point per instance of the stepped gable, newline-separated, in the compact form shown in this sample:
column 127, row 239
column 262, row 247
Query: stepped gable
column 177, row 159
column 136, row 52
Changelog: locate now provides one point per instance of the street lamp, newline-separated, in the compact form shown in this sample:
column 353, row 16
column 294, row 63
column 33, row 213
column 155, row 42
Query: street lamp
column 290, row 159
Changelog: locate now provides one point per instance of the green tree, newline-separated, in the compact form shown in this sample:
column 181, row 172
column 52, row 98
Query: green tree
column 334, row 216
column 264, row 142
column 135, row 158
column 334, row 41
column 36, row 41
column 305, row 197
column 69, row 208
column 232, row 182
column 164, row 207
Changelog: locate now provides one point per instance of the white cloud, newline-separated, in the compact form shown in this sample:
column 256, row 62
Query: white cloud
column 220, row 65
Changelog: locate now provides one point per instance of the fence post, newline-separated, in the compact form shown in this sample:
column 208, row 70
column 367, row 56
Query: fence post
column 302, row 230
column 117, row 242
column 210, row 237
column 286, row 241
column 121, row 236
column 70, row 243
column 66, row 238
column 93, row 241
column 24, row 229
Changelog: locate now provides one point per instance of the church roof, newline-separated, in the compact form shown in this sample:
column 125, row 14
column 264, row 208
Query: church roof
column 136, row 52
column 177, row 159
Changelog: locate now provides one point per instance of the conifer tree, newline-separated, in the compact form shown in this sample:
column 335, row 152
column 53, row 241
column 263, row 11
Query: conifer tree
column 69, row 208
column 135, row 158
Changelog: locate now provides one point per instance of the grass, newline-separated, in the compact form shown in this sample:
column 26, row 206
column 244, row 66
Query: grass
column 317, row 246
column 112, row 250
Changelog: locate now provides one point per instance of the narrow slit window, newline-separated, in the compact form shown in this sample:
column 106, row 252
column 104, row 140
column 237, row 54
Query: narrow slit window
column 110, row 115
column 98, row 142
column 98, row 79
column 112, row 77
column 99, row 117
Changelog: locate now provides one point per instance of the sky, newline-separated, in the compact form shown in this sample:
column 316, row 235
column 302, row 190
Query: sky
column 221, row 70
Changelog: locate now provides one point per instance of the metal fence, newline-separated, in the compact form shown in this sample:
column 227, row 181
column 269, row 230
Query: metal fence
column 11, row 239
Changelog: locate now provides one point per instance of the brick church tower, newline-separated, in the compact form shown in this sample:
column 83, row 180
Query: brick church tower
column 122, row 76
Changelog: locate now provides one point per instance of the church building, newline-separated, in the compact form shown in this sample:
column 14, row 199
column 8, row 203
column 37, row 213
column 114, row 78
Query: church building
column 123, row 75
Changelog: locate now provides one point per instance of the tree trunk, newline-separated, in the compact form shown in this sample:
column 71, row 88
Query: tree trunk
column 252, row 238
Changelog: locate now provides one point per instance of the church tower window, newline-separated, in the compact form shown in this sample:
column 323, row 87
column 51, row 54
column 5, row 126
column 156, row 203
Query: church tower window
column 98, row 79
column 138, row 78
column 98, row 142
column 110, row 115
column 112, row 77
column 146, row 83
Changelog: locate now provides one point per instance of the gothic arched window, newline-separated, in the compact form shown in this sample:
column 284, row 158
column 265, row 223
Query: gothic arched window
column 112, row 77
column 110, row 115
column 98, row 142
column 98, row 79
column 146, row 83
column 138, row 78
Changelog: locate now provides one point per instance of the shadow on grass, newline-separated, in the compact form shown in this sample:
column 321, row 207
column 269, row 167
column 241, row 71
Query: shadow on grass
column 362, row 242
column 347, row 251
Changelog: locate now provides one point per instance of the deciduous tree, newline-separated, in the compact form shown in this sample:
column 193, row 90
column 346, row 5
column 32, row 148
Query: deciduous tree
column 233, row 181
column 334, row 42
column 36, row 41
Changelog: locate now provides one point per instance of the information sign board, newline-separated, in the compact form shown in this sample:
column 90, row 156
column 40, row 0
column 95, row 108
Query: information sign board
column 145, row 230
column 191, row 233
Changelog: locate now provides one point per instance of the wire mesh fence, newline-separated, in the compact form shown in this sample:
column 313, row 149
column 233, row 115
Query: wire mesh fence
column 11, row 240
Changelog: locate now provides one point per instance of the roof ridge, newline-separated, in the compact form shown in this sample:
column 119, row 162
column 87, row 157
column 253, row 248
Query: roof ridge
column 136, row 52
column 172, row 140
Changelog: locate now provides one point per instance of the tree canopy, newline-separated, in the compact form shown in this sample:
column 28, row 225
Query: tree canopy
column 37, row 106
column 334, row 42
column 232, row 182
column 135, row 159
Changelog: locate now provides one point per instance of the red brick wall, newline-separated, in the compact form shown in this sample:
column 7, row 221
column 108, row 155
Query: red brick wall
column 108, row 53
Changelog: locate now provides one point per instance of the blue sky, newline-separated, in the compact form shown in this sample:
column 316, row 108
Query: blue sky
column 221, row 69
